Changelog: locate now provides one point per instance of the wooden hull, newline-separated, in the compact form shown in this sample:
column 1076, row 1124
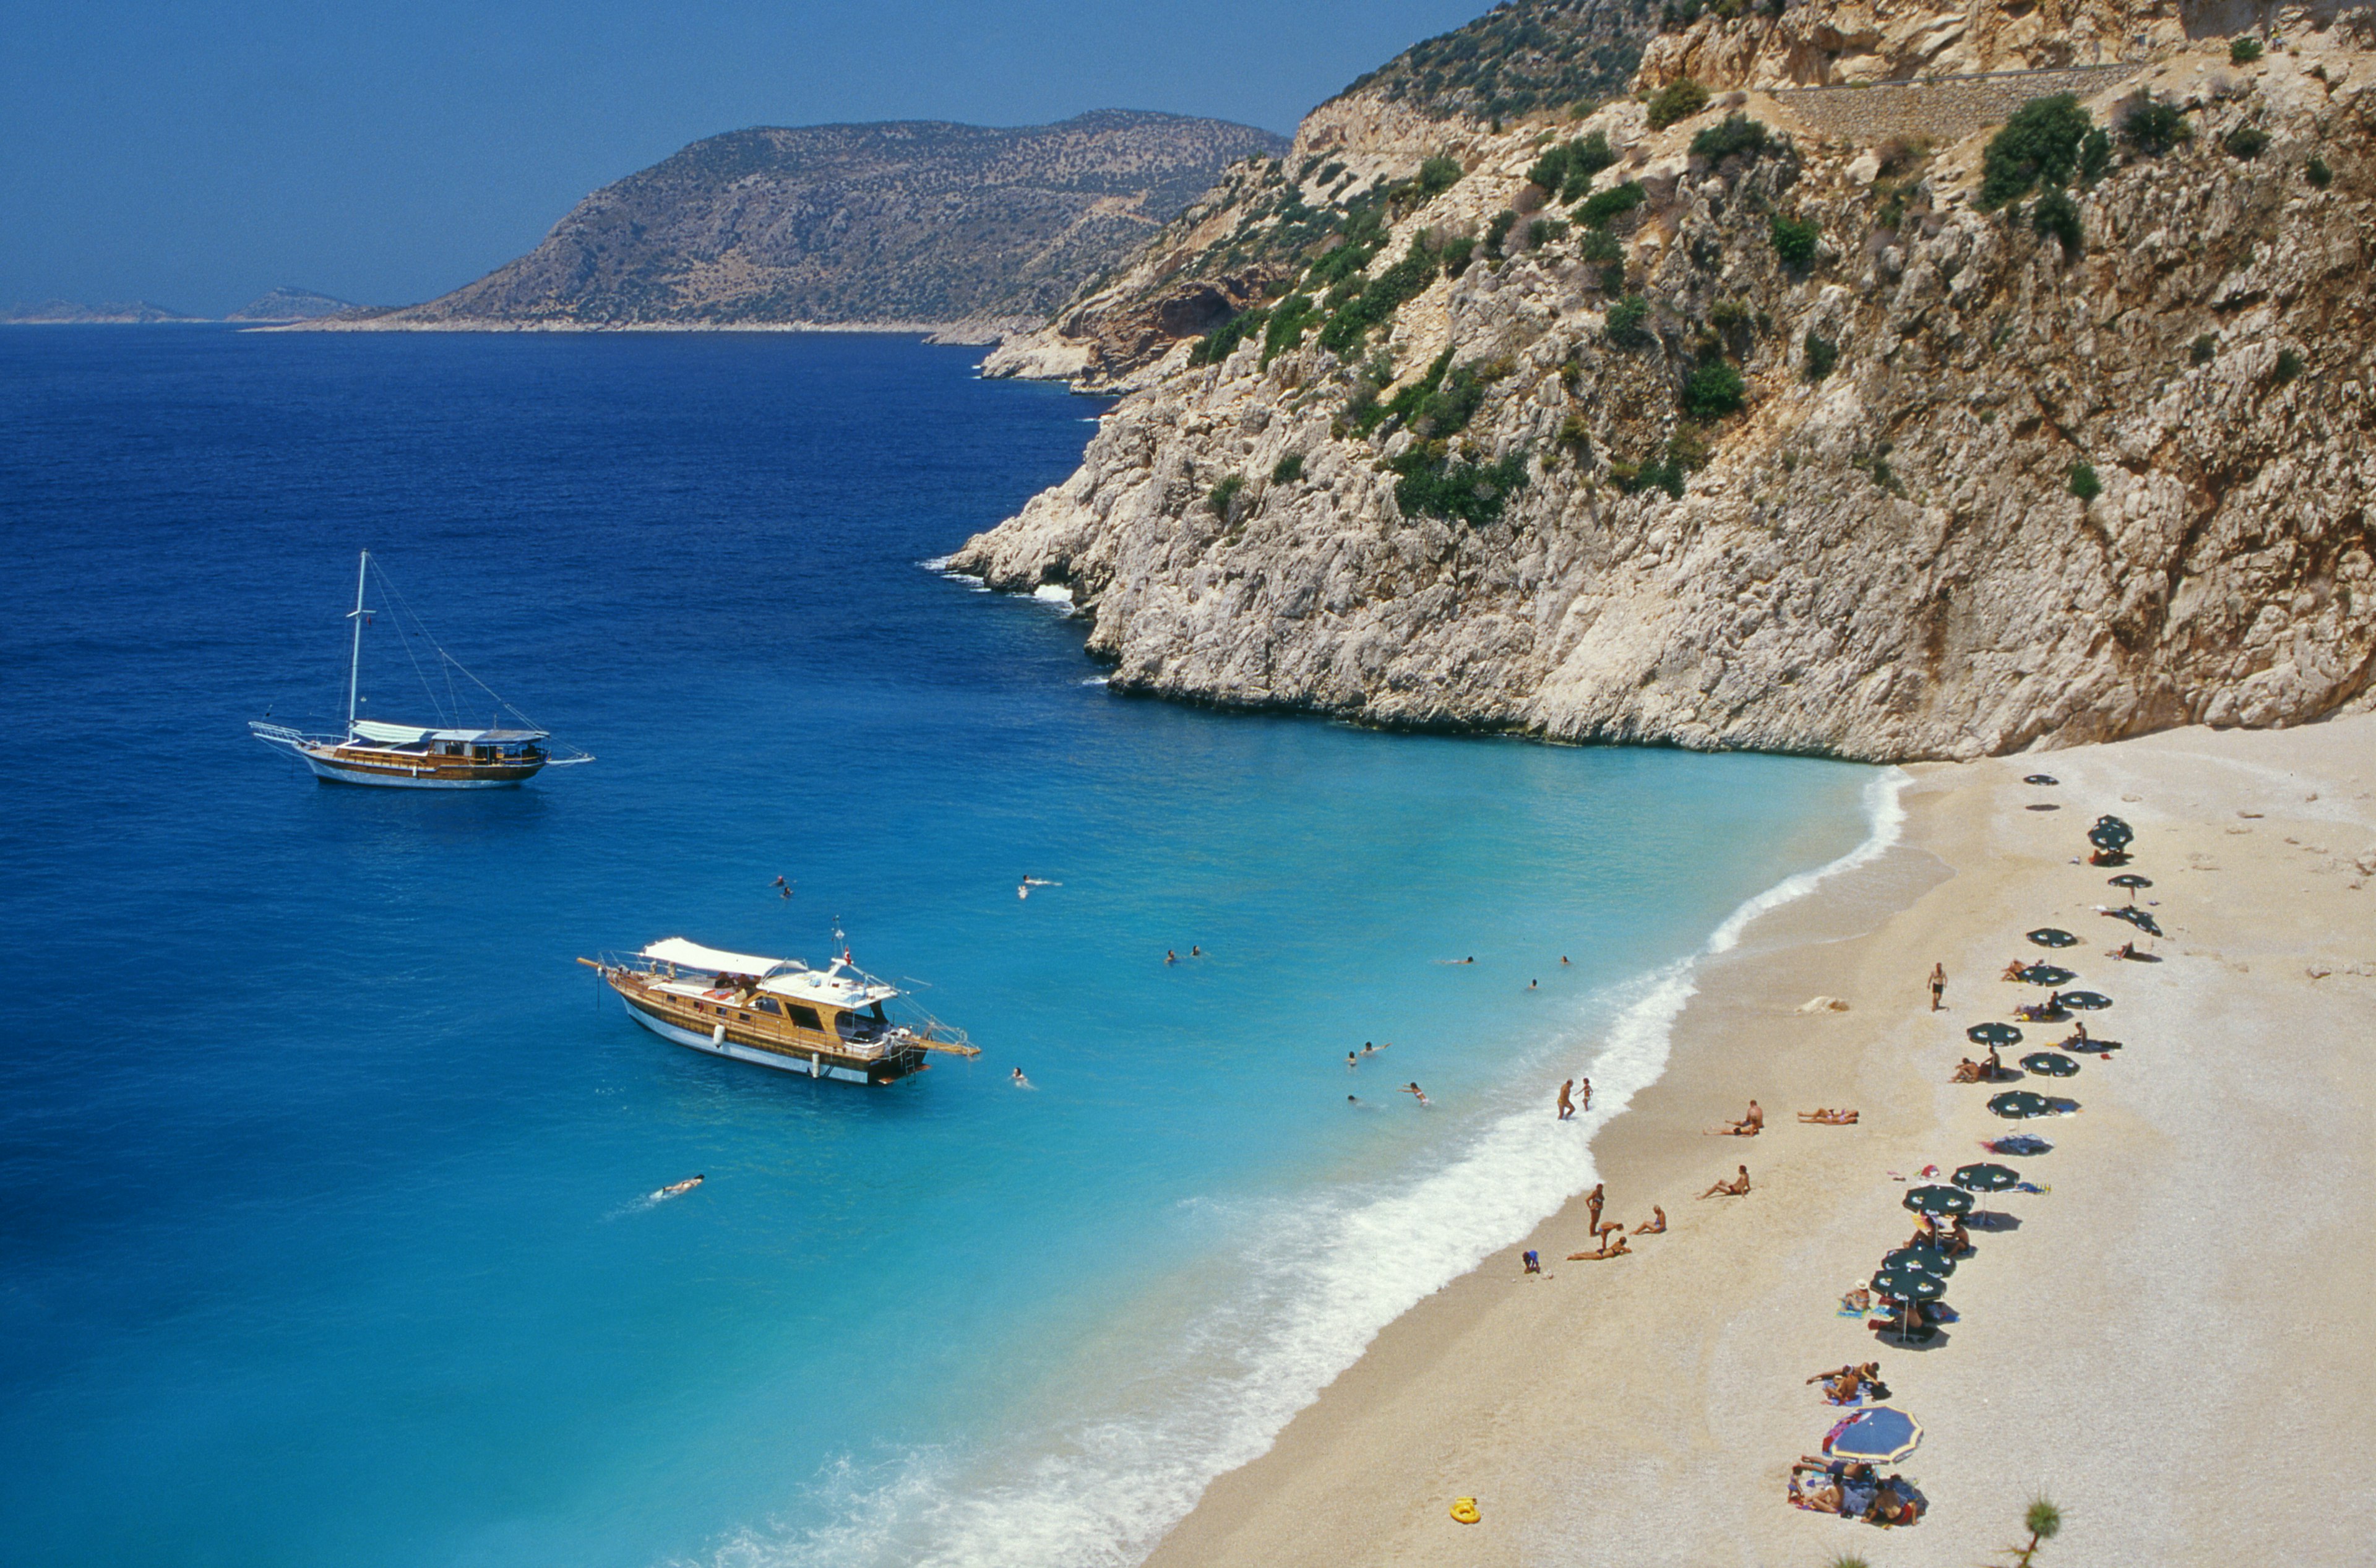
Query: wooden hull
column 725, row 1033
column 427, row 773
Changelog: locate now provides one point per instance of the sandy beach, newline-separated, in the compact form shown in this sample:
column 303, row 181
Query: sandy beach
column 2170, row 1343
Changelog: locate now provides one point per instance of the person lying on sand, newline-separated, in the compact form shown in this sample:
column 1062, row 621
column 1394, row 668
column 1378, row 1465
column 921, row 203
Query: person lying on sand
column 1654, row 1226
column 1736, row 1188
column 1844, row 1384
column 1610, row 1247
column 2013, row 970
column 1748, row 1126
column 1830, row 1117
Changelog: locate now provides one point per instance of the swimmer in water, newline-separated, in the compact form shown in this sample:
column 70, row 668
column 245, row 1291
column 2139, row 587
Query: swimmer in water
column 1169, row 957
column 1351, row 1060
column 1194, row 951
column 1563, row 960
column 1018, row 1079
column 783, row 887
column 1416, row 1092
column 1368, row 1049
column 672, row 1191
column 1531, row 984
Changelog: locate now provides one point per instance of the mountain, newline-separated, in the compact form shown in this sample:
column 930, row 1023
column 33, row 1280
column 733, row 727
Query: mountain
column 1929, row 383
column 290, row 305
column 67, row 312
column 908, row 223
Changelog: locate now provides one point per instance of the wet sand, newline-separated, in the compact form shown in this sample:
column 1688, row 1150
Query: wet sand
column 2170, row 1343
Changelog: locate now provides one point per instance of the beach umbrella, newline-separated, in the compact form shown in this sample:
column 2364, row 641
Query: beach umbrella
column 1986, row 1178
column 1930, row 1260
column 2015, row 1104
column 2086, row 1001
column 2050, row 1064
column 2023, row 1146
column 2083, row 1045
column 2042, row 779
column 2053, row 936
column 2130, row 880
column 1994, row 1034
column 1879, row 1435
column 1903, row 1284
column 2109, row 820
column 2112, row 841
column 2137, row 918
column 1936, row 1199
column 2048, row 974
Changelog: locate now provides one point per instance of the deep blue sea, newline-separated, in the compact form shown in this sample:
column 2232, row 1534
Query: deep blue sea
column 328, row 1237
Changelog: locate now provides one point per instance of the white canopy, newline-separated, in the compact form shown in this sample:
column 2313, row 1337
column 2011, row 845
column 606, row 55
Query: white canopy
column 411, row 734
column 717, row 961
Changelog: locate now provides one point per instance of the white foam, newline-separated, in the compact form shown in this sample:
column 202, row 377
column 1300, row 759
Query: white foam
column 939, row 567
column 1312, row 1281
column 1055, row 594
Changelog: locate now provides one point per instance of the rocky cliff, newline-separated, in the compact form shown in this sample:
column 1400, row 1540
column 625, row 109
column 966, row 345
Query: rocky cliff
column 911, row 222
column 1741, row 424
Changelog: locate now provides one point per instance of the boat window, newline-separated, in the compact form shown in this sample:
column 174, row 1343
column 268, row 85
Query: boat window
column 770, row 1004
column 806, row 1018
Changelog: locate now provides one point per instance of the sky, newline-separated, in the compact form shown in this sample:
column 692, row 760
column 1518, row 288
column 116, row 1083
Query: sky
column 196, row 155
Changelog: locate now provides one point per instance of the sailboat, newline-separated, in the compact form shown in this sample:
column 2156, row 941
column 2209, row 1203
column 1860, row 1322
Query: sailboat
column 413, row 757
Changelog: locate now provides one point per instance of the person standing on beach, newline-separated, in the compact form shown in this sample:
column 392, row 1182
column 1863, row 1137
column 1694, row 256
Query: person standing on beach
column 1566, row 1105
column 1585, row 1085
column 1592, row 1202
column 1938, row 987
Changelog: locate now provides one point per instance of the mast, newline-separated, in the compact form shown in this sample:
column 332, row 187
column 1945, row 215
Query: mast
column 355, row 661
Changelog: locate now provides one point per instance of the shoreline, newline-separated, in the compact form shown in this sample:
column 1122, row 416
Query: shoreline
column 1648, row 1409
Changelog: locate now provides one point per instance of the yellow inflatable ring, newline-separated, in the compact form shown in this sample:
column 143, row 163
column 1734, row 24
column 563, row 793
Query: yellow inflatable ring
column 1463, row 1510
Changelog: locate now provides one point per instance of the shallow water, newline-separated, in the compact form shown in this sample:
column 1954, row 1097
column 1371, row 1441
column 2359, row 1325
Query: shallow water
column 332, row 1238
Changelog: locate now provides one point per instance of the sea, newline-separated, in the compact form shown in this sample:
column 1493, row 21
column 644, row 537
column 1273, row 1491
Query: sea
column 330, row 1231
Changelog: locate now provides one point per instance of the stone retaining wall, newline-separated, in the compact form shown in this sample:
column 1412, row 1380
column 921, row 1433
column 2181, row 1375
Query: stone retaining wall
column 1943, row 109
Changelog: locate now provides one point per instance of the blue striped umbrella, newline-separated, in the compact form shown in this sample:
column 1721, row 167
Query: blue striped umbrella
column 1881, row 1435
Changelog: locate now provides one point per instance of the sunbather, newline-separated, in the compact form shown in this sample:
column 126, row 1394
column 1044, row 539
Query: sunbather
column 1736, row 1188
column 1957, row 1240
column 1856, row 1300
column 1654, row 1226
column 1612, row 1246
column 2013, row 970
column 1829, row 1118
column 1890, row 1506
column 1967, row 1072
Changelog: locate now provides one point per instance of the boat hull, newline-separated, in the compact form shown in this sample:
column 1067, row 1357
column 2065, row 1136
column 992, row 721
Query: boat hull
column 418, row 778
column 807, row 1067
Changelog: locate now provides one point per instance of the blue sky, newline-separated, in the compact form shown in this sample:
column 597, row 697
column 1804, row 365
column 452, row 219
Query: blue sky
column 196, row 155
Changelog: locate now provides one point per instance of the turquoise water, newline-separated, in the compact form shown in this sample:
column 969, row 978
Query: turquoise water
column 330, row 1240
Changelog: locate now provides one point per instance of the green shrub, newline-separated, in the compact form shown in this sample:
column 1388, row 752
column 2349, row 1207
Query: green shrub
column 1433, row 484
column 1499, row 229
column 1545, row 231
column 2289, row 364
column 2317, row 173
column 2041, row 144
column 1603, row 206
column 2095, row 155
column 2084, row 482
column 1586, row 156
column 1385, row 295
column 1821, row 355
column 1288, row 469
column 2247, row 142
column 1328, row 176
column 1794, row 240
column 1714, row 390
column 1600, row 246
column 1220, row 343
column 1728, row 315
column 1676, row 100
column 1290, row 319
column 2243, row 50
column 2154, row 125
column 1734, row 134
column 1575, row 436
column 2205, row 348
column 1456, row 252
column 1612, row 278
column 1224, row 496
column 1437, row 175
column 2056, row 215
column 1625, row 322
column 1370, row 414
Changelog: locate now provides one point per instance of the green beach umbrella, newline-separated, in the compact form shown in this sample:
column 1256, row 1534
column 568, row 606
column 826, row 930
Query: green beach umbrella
column 1994, row 1034
column 2086, row 1001
column 2048, row 974
column 2042, row 779
column 2050, row 1064
column 1930, row 1260
column 1935, row 1199
column 2129, row 880
column 1909, row 1285
column 2053, row 936
column 2015, row 1104
column 1987, row 1178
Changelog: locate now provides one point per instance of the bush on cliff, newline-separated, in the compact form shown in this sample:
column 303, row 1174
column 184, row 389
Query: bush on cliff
column 1603, row 207
column 2155, row 125
column 2205, row 348
column 2084, row 482
column 1288, row 469
column 1290, row 319
column 2056, row 215
column 2042, row 143
column 1734, row 134
column 1220, row 343
column 2246, row 142
column 1821, row 355
column 2317, row 173
column 1714, row 390
column 1385, row 295
column 1433, row 483
column 1677, row 101
column 1794, row 240
column 1625, row 322
column 1437, row 175
column 1223, row 496
column 2243, row 50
